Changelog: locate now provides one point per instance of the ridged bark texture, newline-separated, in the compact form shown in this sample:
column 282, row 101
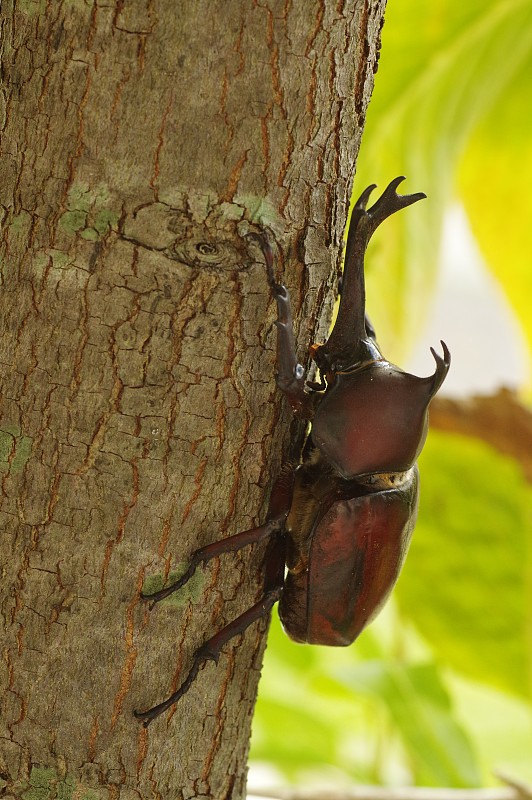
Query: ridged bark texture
column 141, row 141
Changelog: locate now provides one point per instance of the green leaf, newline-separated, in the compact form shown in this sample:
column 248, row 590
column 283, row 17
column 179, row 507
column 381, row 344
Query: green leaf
column 467, row 580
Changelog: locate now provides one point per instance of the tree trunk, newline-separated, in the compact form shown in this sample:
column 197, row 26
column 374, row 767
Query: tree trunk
column 141, row 141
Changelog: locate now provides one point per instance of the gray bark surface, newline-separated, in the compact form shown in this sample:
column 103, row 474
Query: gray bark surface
column 140, row 141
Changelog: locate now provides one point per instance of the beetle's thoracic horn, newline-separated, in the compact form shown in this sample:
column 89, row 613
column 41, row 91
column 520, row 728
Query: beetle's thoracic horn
column 442, row 367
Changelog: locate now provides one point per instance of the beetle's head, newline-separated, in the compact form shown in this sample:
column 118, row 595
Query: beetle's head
column 352, row 358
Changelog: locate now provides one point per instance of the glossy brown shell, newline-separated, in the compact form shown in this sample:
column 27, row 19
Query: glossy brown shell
column 346, row 565
column 373, row 420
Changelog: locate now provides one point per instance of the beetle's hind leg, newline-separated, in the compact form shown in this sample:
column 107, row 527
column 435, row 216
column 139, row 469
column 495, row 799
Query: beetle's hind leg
column 273, row 583
column 278, row 508
column 210, row 651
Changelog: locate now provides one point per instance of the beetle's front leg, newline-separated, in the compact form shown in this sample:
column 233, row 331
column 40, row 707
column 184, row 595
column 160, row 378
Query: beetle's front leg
column 290, row 373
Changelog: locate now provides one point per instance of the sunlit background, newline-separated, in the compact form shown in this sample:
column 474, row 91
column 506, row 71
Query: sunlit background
column 438, row 691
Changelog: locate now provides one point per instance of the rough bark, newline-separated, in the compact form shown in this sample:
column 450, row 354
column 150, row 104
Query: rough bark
column 141, row 140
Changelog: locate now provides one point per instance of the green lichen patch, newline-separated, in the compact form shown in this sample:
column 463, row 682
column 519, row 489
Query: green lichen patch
column 65, row 789
column 15, row 449
column 20, row 223
column 73, row 221
column 104, row 220
column 189, row 593
column 89, row 212
column 42, row 784
column 46, row 784
column 14, row 430
column 18, row 227
column 60, row 259
column 31, row 8
column 41, row 261
column 89, row 794
column 259, row 210
column 7, row 443
column 91, row 234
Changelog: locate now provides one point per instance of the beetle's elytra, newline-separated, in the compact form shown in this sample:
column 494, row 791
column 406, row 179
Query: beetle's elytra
column 341, row 521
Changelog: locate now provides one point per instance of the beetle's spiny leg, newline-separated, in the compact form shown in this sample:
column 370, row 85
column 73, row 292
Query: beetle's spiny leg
column 227, row 545
column 210, row 651
column 290, row 373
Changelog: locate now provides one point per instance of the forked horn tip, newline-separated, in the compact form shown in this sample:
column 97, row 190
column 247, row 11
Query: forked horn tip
column 442, row 366
column 411, row 198
column 396, row 181
column 362, row 201
column 446, row 360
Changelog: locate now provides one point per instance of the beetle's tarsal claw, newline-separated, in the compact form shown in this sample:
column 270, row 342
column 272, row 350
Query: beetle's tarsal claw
column 155, row 597
column 282, row 298
column 206, row 654
column 147, row 717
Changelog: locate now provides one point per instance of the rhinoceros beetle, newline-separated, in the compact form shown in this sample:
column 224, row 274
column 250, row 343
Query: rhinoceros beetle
column 340, row 522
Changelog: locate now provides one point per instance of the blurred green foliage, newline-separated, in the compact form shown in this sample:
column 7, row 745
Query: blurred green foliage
column 438, row 690
column 451, row 111
column 469, row 558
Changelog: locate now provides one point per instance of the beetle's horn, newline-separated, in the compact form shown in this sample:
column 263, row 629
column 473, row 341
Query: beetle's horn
column 364, row 197
column 348, row 341
column 389, row 202
column 442, row 367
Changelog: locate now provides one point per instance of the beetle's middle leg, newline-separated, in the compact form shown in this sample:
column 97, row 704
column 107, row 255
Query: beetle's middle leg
column 278, row 508
column 228, row 545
